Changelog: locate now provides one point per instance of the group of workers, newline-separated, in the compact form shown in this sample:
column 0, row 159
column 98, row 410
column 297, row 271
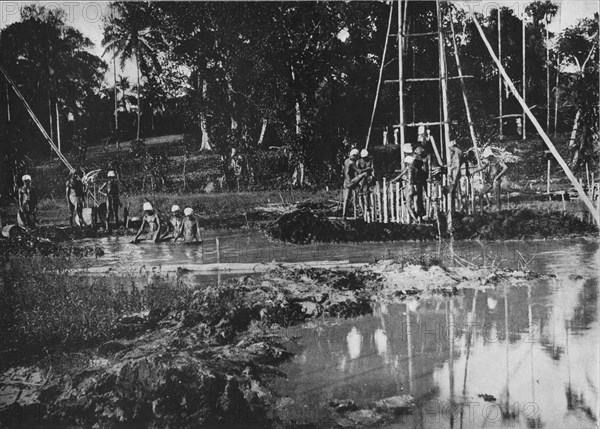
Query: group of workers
column 422, row 166
column 180, row 225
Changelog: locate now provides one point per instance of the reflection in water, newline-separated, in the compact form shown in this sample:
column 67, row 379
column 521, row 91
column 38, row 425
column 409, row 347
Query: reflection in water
column 530, row 359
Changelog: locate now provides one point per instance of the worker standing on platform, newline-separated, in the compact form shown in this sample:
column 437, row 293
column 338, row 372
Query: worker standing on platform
column 26, row 217
column 493, row 169
column 408, row 176
column 352, row 179
column 365, row 165
column 457, row 161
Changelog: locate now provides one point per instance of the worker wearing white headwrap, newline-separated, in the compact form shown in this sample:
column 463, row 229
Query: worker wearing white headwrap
column 174, row 224
column 26, row 216
column 113, row 201
column 352, row 178
column 365, row 165
column 492, row 169
column 190, row 228
column 151, row 221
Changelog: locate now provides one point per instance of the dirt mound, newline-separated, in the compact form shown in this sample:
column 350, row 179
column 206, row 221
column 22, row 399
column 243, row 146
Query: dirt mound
column 28, row 245
column 308, row 226
column 519, row 224
column 305, row 226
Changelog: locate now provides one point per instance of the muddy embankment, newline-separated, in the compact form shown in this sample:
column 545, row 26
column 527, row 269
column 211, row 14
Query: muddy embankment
column 208, row 363
column 23, row 244
column 306, row 226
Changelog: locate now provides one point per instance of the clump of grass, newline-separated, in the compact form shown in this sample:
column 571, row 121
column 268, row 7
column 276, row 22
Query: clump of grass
column 48, row 307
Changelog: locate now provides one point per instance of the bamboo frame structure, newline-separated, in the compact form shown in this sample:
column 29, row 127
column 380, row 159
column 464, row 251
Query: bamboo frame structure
column 524, row 76
column 538, row 127
column 401, row 72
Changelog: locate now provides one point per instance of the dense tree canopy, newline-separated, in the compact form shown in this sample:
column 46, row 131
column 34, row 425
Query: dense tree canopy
column 300, row 75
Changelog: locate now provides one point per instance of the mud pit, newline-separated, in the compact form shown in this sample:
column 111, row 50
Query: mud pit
column 307, row 226
column 210, row 361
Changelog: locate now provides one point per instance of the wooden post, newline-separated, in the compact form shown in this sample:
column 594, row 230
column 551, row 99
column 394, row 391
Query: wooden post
column 463, row 90
column 546, row 22
column 444, row 84
column 538, row 127
column 500, row 124
column 385, row 201
column 218, row 247
column 400, row 73
column 562, row 195
column 524, row 77
column 548, row 181
column 372, row 216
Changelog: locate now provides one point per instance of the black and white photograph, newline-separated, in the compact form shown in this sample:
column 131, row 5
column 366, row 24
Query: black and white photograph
column 300, row 214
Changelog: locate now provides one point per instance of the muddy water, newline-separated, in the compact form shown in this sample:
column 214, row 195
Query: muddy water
column 506, row 357
column 240, row 246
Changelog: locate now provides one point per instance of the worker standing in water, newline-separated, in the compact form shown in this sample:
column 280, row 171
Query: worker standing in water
column 189, row 228
column 112, row 198
column 151, row 221
column 174, row 224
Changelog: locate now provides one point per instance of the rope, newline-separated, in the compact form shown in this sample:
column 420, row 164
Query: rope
column 387, row 34
column 35, row 119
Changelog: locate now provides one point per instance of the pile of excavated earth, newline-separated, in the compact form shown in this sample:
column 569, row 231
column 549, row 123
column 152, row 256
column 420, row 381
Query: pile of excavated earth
column 306, row 226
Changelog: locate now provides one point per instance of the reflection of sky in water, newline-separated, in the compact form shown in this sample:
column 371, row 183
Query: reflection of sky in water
column 533, row 348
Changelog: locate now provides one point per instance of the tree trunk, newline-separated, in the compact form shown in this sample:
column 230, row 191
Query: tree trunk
column 139, row 106
column 203, row 127
column 262, row 132
column 572, row 138
column 115, row 92
column 298, row 175
column 230, row 97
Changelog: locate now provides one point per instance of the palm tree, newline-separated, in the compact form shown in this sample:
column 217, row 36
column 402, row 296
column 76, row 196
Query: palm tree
column 128, row 35
column 123, row 84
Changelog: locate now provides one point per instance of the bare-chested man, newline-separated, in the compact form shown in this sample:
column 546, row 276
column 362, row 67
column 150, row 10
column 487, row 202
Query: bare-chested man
column 151, row 221
column 27, row 204
column 352, row 178
column 493, row 169
column 189, row 228
column 74, row 193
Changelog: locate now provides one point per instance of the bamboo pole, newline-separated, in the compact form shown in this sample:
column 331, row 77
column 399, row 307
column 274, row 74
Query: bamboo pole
column 390, row 194
column 380, row 76
column 548, row 181
column 218, row 249
column 500, row 124
column 556, row 96
column 524, row 76
column 400, row 74
column 399, row 209
column 562, row 195
column 385, row 201
column 35, row 119
column 547, row 75
column 538, row 127
column 50, row 122
column 7, row 103
column 378, row 202
column 444, row 77
column 464, row 91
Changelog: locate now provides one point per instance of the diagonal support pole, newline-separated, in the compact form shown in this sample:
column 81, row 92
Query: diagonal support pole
column 538, row 127
column 36, row 120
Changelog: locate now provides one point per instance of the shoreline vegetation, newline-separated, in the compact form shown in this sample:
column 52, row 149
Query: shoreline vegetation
column 172, row 355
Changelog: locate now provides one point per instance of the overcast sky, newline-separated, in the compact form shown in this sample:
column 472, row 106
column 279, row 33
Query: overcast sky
column 87, row 17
